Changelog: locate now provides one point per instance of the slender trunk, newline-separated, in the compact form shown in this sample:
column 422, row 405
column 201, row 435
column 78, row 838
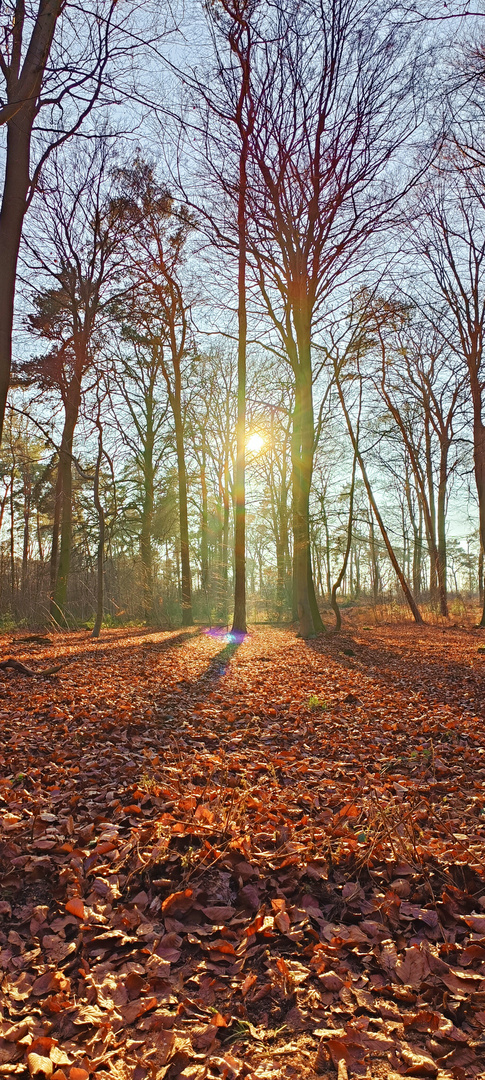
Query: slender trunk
column 390, row 550
column 480, row 576
column 479, row 458
column 374, row 560
column 343, row 568
column 187, row 619
column 434, row 583
column 317, row 555
column 12, row 535
column 147, row 522
column 239, row 618
column 55, row 532
column 58, row 602
column 224, row 574
column 280, row 570
column 204, row 529
column 39, row 537
column 316, row 617
column 444, row 448
column 26, row 538
column 426, row 497
column 328, row 568
column 101, row 526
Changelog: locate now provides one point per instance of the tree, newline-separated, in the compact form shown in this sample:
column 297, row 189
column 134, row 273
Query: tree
column 158, row 231
column 55, row 63
column 135, row 378
column 421, row 391
column 76, row 247
column 332, row 96
column 448, row 235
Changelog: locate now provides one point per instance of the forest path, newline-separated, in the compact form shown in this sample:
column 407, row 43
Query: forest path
column 261, row 844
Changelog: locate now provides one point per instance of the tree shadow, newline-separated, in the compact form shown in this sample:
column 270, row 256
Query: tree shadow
column 216, row 668
column 89, row 648
column 405, row 669
column 220, row 663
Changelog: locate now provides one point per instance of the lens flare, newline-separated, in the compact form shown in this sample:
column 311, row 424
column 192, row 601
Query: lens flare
column 254, row 443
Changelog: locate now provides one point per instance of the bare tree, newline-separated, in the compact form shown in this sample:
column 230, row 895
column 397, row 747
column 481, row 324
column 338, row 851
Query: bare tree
column 57, row 62
column 449, row 237
column 140, row 408
column 75, row 250
column 332, row 96
column 158, row 230
column 411, row 371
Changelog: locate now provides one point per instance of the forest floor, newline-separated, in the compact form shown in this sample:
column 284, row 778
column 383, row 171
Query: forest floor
column 260, row 858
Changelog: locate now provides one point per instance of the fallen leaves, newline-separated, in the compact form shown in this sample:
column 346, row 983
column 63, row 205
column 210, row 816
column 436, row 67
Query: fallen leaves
column 204, row 873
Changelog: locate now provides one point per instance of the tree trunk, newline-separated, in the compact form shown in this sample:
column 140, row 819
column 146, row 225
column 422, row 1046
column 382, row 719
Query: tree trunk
column 12, row 532
column 55, row 532
column 58, row 601
column 224, row 583
column 15, row 191
column 444, row 447
column 147, row 524
column 434, row 582
column 204, row 537
column 348, row 545
column 374, row 559
column 26, row 539
column 309, row 619
column 187, row 619
column 98, row 622
column 239, row 617
column 23, row 88
column 479, row 458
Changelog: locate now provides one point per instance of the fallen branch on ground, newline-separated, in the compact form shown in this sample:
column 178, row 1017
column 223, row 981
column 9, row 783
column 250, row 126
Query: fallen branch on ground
column 11, row 662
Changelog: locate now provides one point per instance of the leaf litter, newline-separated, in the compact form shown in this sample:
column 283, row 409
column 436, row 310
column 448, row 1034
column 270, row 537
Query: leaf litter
column 260, row 858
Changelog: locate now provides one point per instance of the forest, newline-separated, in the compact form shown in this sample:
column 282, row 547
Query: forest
column 245, row 351
column 242, row 535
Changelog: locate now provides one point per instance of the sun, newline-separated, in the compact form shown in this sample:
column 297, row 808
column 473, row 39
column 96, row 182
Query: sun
column 254, row 443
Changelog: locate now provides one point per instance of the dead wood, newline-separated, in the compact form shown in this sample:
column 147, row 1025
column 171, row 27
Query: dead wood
column 11, row 662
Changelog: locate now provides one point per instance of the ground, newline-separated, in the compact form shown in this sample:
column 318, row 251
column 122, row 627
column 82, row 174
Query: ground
column 259, row 858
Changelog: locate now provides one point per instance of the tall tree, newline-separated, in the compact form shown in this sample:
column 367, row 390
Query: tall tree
column 55, row 63
column 76, row 251
column 141, row 419
column 421, row 391
column 158, row 231
column 332, row 89
column 448, row 235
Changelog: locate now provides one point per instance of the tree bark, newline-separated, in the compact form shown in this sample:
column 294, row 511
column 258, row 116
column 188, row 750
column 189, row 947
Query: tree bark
column 58, row 601
column 348, row 545
column 98, row 622
column 147, row 522
column 15, row 191
column 479, row 456
column 186, row 591
column 239, row 617
column 23, row 88
column 441, row 518
column 309, row 619
column 204, row 531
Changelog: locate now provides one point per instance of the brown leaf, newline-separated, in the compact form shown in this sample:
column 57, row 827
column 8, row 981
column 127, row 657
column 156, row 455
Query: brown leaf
column 38, row 1064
